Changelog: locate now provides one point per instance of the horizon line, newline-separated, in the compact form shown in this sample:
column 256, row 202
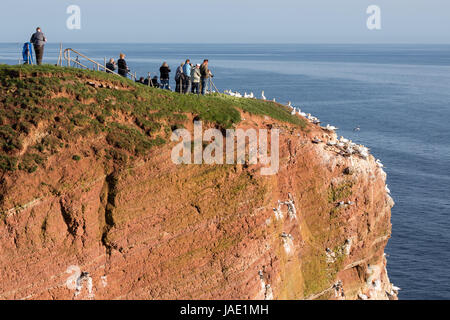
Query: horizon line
column 247, row 43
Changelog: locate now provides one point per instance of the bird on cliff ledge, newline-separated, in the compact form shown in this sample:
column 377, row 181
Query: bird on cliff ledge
column 379, row 164
column 330, row 128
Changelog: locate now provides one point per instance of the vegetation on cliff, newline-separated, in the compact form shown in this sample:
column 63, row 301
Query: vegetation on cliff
column 156, row 230
column 45, row 108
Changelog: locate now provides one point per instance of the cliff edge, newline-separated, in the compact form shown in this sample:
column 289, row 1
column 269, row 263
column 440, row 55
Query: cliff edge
column 92, row 207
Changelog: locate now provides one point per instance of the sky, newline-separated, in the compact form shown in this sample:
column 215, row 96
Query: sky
column 229, row 21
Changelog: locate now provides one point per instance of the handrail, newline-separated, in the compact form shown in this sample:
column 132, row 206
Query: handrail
column 98, row 65
column 80, row 64
column 102, row 67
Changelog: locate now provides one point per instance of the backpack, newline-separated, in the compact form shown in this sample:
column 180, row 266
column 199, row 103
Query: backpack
column 27, row 53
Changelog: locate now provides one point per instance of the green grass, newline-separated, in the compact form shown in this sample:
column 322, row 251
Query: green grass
column 63, row 102
column 340, row 192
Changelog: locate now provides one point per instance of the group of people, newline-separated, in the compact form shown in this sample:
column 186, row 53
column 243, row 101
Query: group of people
column 189, row 78
column 121, row 65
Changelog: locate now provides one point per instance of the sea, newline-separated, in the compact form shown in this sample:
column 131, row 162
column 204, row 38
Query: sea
column 397, row 95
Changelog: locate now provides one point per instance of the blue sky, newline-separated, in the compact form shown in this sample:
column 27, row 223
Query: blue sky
column 229, row 21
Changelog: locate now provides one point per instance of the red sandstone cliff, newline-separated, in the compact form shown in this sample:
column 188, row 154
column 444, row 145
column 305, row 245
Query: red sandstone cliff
column 149, row 229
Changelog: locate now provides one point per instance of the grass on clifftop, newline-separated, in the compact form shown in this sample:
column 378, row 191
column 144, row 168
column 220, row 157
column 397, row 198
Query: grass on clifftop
column 63, row 106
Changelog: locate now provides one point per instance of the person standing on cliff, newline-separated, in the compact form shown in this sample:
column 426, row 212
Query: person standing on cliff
column 206, row 75
column 179, row 77
column 122, row 66
column 38, row 40
column 187, row 76
column 195, row 76
column 164, row 76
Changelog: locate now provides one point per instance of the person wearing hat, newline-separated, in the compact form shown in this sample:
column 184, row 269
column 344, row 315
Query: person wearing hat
column 195, row 78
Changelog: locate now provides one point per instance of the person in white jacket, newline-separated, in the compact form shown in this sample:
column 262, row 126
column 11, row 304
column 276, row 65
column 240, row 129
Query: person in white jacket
column 195, row 78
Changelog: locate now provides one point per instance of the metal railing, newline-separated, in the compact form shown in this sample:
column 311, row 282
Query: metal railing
column 96, row 65
column 102, row 67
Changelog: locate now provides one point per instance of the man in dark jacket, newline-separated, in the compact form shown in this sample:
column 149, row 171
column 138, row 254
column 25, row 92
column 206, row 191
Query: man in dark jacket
column 155, row 83
column 164, row 76
column 179, row 78
column 111, row 66
column 205, row 75
column 122, row 66
column 38, row 40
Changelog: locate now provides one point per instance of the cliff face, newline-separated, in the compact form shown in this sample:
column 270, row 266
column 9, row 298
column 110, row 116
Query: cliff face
column 97, row 221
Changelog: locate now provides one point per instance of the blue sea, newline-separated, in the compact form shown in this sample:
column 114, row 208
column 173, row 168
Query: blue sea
column 399, row 95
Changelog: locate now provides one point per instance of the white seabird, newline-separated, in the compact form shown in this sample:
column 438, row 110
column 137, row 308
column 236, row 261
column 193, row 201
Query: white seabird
column 330, row 128
column 263, row 96
column 344, row 140
column 387, row 189
column 379, row 164
column 331, row 143
column 396, row 288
